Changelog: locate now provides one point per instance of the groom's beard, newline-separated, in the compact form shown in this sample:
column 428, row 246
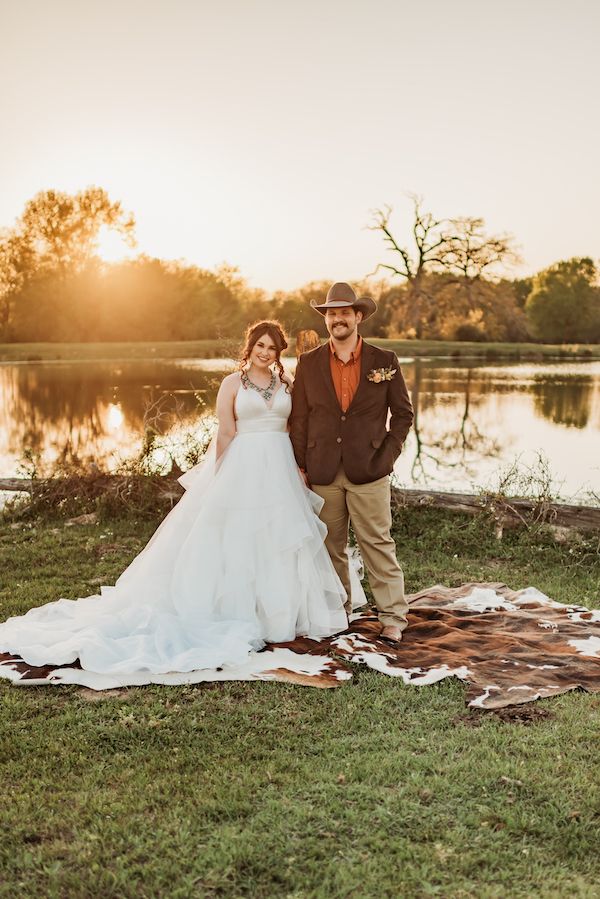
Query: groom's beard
column 341, row 331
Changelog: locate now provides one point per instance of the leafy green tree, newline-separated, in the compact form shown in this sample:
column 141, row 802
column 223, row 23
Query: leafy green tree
column 150, row 299
column 52, row 244
column 63, row 228
column 522, row 289
column 140, row 299
column 49, row 307
column 293, row 308
column 294, row 311
column 206, row 307
column 484, row 311
column 564, row 303
column 16, row 263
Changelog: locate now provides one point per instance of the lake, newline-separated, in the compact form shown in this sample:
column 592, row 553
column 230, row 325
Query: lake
column 472, row 422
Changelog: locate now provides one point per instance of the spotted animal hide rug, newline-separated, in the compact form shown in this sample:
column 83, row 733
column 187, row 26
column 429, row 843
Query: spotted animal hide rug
column 509, row 647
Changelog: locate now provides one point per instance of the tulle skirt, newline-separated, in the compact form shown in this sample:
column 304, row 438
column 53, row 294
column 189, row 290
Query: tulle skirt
column 239, row 561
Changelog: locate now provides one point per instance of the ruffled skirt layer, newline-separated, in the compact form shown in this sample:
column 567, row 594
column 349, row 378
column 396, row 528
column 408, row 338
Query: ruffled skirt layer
column 239, row 561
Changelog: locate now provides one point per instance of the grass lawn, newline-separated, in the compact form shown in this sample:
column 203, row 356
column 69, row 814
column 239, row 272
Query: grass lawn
column 271, row 790
column 186, row 349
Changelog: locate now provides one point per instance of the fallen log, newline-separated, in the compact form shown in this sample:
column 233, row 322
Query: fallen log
column 16, row 484
column 507, row 511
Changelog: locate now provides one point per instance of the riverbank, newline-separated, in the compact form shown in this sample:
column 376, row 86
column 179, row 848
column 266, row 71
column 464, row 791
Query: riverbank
column 271, row 790
column 210, row 349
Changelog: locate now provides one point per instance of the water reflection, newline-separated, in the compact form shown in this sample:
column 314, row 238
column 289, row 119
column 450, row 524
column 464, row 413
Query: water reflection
column 94, row 412
column 566, row 402
column 441, row 443
column 469, row 420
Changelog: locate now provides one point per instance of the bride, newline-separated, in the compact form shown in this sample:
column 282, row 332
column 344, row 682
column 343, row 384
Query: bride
column 238, row 562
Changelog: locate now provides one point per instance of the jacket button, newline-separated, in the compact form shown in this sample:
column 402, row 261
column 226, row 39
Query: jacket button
column 343, row 418
column 339, row 439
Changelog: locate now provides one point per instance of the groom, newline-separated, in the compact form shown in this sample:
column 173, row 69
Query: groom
column 342, row 394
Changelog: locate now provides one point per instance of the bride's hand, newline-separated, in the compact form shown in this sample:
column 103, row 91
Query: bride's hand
column 304, row 477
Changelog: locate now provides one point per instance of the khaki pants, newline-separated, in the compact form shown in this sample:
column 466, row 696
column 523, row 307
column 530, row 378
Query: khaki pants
column 368, row 507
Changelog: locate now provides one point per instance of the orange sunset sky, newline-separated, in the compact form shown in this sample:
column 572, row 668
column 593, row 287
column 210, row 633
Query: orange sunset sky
column 262, row 133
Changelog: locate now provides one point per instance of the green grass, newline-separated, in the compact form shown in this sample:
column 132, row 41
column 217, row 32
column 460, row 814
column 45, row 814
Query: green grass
column 511, row 351
column 270, row 790
column 185, row 349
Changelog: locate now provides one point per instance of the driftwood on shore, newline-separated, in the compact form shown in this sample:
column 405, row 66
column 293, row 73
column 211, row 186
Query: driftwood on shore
column 505, row 511
column 26, row 485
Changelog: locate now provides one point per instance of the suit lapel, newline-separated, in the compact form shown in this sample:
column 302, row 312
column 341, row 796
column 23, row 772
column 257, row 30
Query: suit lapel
column 366, row 364
column 325, row 366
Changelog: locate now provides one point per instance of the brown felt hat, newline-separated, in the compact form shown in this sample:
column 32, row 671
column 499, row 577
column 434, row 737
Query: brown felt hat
column 341, row 294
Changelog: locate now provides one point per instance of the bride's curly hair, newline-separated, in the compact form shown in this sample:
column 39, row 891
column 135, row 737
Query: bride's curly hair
column 257, row 330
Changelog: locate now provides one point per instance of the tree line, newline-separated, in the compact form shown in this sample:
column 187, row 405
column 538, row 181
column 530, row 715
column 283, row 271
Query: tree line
column 449, row 281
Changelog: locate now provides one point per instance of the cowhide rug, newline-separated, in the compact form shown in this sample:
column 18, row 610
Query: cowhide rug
column 509, row 647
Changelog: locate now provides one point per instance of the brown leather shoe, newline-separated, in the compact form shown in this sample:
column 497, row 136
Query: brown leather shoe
column 392, row 634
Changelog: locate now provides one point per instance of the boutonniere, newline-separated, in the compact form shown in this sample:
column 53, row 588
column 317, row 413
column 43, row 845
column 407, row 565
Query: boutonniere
column 381, row 374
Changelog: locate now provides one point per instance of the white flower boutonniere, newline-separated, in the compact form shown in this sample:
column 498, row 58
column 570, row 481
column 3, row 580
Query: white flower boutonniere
column 381, row 374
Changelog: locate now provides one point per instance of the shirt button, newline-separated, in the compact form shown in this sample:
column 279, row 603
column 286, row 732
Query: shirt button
column 339, row 439
column 343, row 418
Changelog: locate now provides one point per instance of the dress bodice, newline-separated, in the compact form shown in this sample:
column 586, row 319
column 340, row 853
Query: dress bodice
column 253, row 415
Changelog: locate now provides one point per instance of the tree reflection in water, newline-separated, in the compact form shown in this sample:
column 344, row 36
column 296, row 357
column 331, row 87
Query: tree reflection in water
column 462, row 445
column 77, row 415
column 565, row 401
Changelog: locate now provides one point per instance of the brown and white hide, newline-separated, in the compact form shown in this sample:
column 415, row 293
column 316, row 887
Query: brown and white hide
column 509, row 647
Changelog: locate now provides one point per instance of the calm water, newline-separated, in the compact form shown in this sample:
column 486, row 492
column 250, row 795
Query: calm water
column 470, row 424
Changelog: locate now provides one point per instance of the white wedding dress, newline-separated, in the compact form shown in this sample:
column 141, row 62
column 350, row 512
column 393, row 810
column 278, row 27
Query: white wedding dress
column 238, row 562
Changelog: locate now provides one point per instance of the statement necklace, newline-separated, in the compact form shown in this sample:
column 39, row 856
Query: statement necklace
column 266, row 392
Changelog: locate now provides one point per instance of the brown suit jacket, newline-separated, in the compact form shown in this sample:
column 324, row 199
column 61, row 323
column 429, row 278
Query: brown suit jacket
column 323, row 436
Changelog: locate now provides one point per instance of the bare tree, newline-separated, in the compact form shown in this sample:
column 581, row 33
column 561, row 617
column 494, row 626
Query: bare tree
column 459, row 248
column 473, row 257
column 430, row 248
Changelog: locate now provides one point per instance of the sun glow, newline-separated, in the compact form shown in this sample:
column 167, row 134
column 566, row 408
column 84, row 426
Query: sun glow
column 112, row 247
column 114, row 417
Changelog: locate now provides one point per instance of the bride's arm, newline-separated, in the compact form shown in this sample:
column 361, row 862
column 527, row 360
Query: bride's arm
column 288, row 382
column 225, row 413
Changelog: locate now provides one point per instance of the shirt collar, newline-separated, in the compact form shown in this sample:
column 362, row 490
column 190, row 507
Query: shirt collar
column 354, row 356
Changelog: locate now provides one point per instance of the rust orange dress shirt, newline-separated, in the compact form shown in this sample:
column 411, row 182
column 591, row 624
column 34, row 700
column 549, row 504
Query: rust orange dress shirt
column 346, row 375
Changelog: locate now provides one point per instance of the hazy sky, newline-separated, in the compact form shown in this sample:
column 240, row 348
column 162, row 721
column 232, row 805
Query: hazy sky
column 263, row 133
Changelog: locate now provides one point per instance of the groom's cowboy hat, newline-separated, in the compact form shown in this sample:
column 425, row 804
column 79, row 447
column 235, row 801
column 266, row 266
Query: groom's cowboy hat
column 341, row 294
